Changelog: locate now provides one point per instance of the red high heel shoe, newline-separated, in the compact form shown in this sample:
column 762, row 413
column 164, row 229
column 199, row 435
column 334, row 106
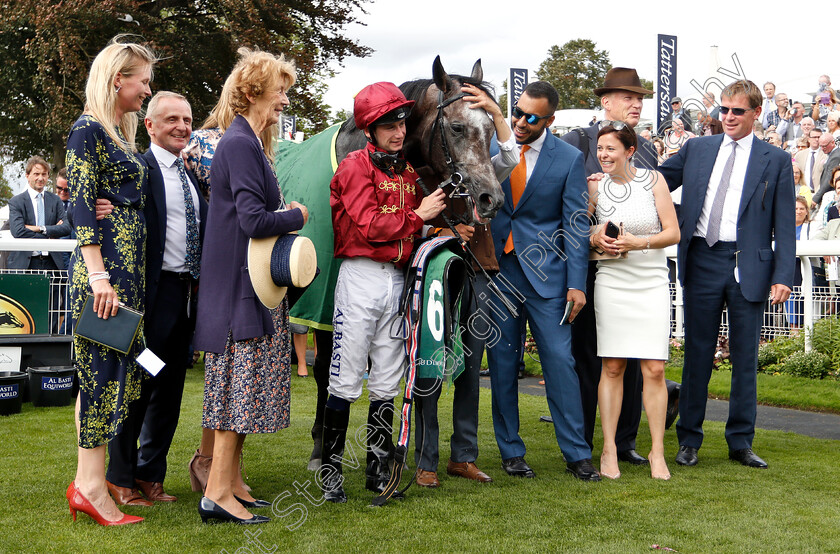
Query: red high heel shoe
column 78, row 502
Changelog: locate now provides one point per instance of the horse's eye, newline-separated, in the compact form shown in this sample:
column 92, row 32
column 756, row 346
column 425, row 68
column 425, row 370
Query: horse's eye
column 457, row 127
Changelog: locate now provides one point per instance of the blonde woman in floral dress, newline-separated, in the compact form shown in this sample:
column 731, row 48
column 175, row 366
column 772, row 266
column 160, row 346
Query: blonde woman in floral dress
column 109, row 261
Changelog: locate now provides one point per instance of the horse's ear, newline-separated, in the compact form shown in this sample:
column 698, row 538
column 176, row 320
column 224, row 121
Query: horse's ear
column 439, row 75
column 477, row 72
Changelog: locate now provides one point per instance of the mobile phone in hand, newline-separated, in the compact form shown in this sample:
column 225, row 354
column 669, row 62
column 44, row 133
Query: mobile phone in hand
column 612, row 230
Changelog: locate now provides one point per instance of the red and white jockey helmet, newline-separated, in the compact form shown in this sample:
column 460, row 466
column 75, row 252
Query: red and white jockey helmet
column 380, row 103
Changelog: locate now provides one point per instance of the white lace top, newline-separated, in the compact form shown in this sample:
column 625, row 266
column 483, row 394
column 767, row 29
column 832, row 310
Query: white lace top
column 629, row 203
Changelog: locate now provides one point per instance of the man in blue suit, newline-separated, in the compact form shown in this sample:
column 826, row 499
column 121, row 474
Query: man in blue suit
column 540, row 237
column 175, row 227
column 737, row 198
column 37, row 214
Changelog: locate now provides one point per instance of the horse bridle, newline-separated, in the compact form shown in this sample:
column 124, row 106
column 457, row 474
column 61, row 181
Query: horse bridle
column 455, row 179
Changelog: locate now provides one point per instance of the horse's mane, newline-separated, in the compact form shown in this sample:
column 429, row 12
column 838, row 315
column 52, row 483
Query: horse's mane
column 415, row 90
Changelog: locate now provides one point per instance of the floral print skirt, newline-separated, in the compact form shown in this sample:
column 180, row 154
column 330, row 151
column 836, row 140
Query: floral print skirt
column 247, row 386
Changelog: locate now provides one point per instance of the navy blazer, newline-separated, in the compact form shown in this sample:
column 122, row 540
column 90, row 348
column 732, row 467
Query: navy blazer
column 245, row 197
column 766, row 211
column 550, row 223
column 21, row 213
column 155, row 212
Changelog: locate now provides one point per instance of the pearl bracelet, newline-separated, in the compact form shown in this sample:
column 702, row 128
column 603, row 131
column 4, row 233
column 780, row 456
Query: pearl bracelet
column 98, row 276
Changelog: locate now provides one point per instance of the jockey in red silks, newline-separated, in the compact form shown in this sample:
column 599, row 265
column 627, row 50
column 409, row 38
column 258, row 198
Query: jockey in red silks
column 377, row 215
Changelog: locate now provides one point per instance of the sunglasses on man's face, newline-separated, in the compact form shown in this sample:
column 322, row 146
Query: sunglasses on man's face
column 737, row 111
column 62, row 189
column 530, row 118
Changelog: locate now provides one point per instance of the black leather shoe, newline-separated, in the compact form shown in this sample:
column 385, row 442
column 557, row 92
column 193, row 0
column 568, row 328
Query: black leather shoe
column 518, row 468
column 633, row 457
column 687, row 456
column 748, row 458
column 209, row 510
column 583, row 470
column 673, row 409
column 257, row 503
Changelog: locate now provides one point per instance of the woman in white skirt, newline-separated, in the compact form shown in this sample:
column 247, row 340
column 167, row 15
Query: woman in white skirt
column 631, row 291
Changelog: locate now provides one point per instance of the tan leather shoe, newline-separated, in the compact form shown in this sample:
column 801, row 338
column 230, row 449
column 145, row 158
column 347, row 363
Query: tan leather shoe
column 467, row 470
column 125, row 496
column 427, row 479
column 154, row 491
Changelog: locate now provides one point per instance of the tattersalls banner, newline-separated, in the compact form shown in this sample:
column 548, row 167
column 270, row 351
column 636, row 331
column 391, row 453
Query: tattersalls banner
column 516, row 84
column 666, row 76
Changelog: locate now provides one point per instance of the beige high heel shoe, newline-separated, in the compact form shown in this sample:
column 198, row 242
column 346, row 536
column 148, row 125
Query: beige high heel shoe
column 663, row 476
column 603, row 473
column 199, row 467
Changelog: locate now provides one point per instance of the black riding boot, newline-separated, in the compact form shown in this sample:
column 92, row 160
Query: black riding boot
column 332, row 451
column 380, row 452
column 317, row 439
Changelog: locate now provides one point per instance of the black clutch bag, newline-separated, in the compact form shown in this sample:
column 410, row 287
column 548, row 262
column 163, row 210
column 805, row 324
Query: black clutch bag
column 117, row 332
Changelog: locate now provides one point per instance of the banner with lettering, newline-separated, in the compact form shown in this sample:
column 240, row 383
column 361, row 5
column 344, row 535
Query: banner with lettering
column 516, row 84
column 666, row 76
column 289, row 126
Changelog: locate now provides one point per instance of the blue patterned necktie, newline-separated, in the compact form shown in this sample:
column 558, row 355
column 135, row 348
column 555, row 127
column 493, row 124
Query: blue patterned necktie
column 193, row 260
column 39, row 217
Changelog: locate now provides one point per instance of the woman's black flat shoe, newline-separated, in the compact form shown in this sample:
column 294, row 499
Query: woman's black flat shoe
column 209, row 510
column 255, row 504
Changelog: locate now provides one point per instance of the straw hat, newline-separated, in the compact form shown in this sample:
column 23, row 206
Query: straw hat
column 276, row 263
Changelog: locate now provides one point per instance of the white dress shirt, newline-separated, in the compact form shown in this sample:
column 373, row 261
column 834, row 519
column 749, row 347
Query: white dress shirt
column 729, row 217
column 175, row 247
column 532, row 155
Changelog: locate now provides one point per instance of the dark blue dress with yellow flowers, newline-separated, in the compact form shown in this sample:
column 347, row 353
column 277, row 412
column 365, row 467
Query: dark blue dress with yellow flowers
column 97, row 167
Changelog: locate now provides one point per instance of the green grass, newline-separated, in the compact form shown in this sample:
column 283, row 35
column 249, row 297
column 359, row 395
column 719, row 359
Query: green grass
column 816, row 395
column 718, row 506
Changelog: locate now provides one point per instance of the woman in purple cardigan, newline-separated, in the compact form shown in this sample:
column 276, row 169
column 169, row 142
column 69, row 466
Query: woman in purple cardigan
column 243, row 363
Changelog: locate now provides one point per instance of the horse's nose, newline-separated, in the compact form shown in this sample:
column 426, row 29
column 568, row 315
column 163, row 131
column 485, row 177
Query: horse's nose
column 489, row 204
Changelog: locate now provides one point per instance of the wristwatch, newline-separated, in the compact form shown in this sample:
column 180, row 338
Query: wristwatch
column 43, row 230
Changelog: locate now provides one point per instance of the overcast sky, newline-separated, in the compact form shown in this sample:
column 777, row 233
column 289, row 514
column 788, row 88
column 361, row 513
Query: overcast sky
column 519, row 34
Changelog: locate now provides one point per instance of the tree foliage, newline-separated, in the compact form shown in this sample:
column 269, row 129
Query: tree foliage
column 47, row 46
column 648, row 84
column 575, row 69
column 6, row 192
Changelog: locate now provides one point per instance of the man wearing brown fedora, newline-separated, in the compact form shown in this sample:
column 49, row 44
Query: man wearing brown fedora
column 621, row 98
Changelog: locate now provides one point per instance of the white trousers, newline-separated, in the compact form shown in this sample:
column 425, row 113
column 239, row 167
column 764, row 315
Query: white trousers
column 367, row 296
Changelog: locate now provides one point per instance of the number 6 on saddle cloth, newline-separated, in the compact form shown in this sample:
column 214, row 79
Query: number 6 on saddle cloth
column 430, row 324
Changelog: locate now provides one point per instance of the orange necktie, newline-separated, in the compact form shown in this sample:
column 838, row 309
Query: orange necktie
column 517, row 186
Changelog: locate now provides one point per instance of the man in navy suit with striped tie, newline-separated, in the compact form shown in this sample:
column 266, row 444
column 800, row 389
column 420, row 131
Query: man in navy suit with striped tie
column 737, row 199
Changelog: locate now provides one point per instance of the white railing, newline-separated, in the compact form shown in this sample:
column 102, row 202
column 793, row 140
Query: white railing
column 816, row 302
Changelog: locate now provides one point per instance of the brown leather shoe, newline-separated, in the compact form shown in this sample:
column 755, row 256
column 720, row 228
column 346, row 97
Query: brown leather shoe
column 125, row 496
column 154, row 491
column 467, row 470
column 427, row 479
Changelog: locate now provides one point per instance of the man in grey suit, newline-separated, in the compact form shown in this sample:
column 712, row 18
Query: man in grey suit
column 829, row 148
column 37, row 214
